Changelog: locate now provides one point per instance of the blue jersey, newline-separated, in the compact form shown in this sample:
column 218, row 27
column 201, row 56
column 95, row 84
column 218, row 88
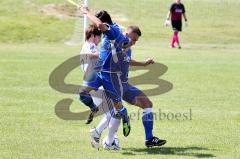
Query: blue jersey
column 125, row 65
column 130, row 92
column 111, row 50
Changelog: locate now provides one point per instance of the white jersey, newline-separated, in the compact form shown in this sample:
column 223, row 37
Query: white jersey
column 100, row 98
column 87, row 64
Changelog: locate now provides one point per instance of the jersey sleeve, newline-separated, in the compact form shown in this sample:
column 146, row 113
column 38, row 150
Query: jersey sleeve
column 115, row 33
column 171, row 9
column 112, row 33
column 93, row 48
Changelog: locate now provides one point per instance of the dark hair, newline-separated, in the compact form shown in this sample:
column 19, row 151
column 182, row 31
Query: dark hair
column 104, row 17
column 135, row 29
column 92, row 30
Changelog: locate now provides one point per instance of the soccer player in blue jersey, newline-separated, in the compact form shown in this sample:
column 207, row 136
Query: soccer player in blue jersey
column 108, row 68
column 134, row 96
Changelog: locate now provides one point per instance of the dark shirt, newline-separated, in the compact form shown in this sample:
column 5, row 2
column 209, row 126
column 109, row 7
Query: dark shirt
column 177, row 10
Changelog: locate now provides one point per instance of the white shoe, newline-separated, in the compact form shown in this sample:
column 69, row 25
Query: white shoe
column 115, row 145
column 95, row 138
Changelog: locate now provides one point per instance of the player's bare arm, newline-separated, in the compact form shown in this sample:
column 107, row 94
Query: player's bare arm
column 168, row 15
column 141, row 63
column 185, row 17
column 85, row 10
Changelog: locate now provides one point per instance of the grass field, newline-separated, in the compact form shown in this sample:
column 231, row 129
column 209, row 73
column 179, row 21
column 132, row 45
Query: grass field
column 205, row 77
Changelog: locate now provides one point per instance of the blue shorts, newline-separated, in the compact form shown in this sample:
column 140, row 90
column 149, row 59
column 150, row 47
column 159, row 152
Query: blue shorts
column 130, row 93
column 111, row 83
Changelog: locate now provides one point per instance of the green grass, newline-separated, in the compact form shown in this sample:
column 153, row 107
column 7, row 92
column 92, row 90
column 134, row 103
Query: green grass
column 204, row 74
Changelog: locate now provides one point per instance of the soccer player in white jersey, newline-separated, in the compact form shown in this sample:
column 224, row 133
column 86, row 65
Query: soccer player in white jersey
column 88, row 57
column 108, row 65
column 89, row 52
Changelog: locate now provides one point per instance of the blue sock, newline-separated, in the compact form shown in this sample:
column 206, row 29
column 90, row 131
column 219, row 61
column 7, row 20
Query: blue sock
column 147, row 120
column 122, row 112
column 86, row 98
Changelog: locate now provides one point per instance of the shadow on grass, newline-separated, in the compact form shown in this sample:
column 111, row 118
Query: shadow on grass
column 178, row 151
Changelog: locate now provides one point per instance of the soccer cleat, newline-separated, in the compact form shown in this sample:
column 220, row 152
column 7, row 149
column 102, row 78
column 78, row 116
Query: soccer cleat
column 179, row 47
column 91, row 115
column 126, row 126
column 122, row 113
column 155, row 141
column 95, row 138
column 115, row 145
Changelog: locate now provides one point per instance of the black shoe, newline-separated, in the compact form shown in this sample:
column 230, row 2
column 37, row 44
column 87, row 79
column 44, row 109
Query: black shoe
column 126, row 126
column 155, row 141
column 179, row 47
column 91, row 115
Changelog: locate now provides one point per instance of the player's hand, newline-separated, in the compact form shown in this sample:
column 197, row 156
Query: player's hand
column 167, row 22
column 84, row 9
column 149, row 61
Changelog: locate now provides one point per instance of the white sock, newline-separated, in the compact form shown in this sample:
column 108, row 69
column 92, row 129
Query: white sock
column 147, row 110
column 113, row 127
column 104, row 122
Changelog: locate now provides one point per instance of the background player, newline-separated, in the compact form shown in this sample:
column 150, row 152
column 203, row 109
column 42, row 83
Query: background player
column 177, row 10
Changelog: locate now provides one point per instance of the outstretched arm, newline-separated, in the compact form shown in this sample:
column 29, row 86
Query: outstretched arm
column 141, row 63
column 85, row 10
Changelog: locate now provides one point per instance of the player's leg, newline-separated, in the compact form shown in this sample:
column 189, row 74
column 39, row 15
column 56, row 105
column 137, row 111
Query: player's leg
column 113, row 89
column 95, row 133
column 103, row 124
column 109, row 121
column 110, row 142
column 173, row 40
column 113, row 86
column 107, row 107
column 136, row 97
column 177, row 38
column 148, row 120
column 178, row 29
column 86, row 98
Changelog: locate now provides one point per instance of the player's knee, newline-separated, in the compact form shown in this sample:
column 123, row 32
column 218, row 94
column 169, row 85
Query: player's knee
column 144, row 102
column 150, row 105
column 83, row 93
column 86, row 98
column 147, row 104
